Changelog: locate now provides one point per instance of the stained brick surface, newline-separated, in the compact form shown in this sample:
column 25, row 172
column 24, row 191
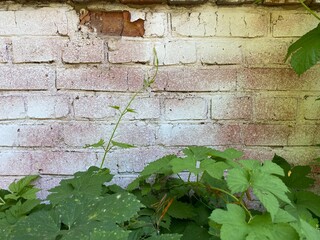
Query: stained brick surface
column 221, row 82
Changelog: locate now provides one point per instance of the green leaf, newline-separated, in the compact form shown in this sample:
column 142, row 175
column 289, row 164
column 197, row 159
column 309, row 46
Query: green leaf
column 195, row 232
column 115, row 107
column 96, row 145
column 308, row 200
column 122, row 145
column 305, row 52
column 166, row 237
column 39, row 225
column 235, row 226
column 23, row 188
column 184, row 164
column 213, row 168
column 131, row 110
column 85, row 183
column 181, row 210
column 238, row 180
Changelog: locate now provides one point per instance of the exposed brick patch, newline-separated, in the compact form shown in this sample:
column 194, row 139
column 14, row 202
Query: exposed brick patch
column 231, row 107
column 275, row 108
column 99, row 79
column 113, row 23
column 194, row 134
column 178, row 109
column 266, row 135
column 26, row 77
column 84, row 51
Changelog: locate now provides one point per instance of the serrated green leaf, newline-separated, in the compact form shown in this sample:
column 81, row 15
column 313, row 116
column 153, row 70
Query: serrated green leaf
column 214, row 169
column 181, row 210
column 238, row 180
column 122, row 145
column 283, row 216
column 39, row 225
column 228, row 154
column 23, row 188
column 20, row 210
column 199, row 153
column 88, row 183
column 272, row 168
column 235, row 226
column 308, row 200
column 306, row 231
column 269, row 201
column 184, row 164
column 96, row 145
column 160, row 166
column 305, row 52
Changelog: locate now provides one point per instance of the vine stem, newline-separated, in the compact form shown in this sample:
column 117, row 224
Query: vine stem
column 233, row 197
column 309, row 10
column 147, row 83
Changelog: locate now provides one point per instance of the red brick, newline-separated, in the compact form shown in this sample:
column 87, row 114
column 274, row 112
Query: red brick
column 278, row 79
column 304, row 135
column 231, row 107
column 126, row 51
column 84, row 51
column 93, row 107
column 203, row 79
column 185, row 108
column 257, row 153
column 37, row 49
column 266, row 135
column 224, row 51
column 198, row 134
column 275, row 108
column 43, row 107
column 35, row 135
column 298, row 155
column 98, row 79
column 5, row 46
column 26, row 78
column 12, row 107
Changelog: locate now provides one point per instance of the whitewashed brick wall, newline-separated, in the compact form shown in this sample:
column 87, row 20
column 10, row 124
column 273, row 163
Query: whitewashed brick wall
column 222, row 82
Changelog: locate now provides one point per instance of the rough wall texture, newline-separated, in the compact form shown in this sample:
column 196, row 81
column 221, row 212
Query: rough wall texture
column 222, row 82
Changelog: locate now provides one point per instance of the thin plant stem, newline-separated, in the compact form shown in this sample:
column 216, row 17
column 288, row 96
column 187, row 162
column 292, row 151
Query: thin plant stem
column 147, row 83
column 309, row 10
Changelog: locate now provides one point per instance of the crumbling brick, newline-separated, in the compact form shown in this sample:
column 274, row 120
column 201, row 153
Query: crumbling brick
column 113, row 23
